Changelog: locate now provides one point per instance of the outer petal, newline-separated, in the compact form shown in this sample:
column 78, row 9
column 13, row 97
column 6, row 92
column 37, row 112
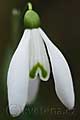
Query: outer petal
column 61, row 72
column 18, row 76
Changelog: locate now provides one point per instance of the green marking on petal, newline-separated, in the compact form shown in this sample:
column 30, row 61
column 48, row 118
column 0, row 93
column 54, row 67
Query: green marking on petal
column 34, row 69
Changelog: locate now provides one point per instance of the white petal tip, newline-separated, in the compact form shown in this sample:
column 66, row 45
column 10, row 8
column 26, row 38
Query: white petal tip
column 15, row 110
column 68, row 99
column 71, row 105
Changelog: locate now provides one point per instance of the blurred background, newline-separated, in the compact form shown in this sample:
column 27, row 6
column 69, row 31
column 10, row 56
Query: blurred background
column 61, row 21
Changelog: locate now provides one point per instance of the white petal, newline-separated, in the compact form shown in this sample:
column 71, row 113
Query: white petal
column 61, row 73
column 18, row 76
column 33, row 90
column 38, row 55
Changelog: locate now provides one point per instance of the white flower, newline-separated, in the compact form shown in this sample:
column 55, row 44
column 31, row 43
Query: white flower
column 30, row 64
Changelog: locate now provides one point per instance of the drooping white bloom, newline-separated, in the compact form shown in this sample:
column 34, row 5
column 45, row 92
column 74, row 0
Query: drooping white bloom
column 30, row 64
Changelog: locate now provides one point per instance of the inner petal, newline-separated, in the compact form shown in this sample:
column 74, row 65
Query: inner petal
column 39, row 64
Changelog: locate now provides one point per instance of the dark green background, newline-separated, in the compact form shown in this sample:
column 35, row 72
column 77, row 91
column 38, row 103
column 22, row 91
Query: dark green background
column 61, row 21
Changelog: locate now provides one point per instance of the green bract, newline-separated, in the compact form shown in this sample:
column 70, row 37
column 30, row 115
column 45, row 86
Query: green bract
column 31, row 18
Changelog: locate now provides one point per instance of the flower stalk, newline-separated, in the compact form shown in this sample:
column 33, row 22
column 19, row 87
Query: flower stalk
column 29, row 6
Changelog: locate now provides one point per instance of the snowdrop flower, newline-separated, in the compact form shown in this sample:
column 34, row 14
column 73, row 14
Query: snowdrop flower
column 30, row 64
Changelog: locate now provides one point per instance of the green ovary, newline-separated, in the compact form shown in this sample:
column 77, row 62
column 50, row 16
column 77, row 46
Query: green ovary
column 35, row 68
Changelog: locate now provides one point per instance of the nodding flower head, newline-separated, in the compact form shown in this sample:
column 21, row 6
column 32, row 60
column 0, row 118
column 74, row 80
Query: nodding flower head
column 30, row 64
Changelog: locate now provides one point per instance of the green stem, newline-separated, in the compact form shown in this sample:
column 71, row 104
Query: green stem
column 29, row 6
